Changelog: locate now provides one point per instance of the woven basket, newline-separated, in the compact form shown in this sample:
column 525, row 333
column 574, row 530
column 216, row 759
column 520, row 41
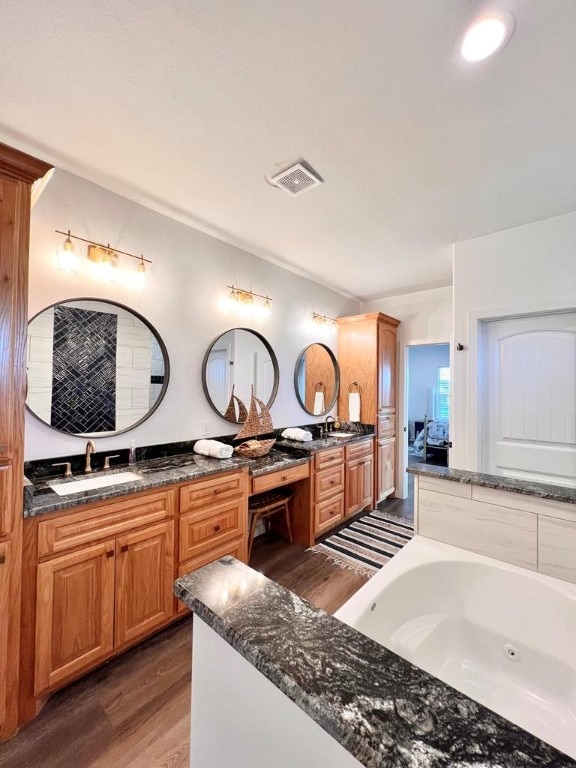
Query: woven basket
column 254, row 449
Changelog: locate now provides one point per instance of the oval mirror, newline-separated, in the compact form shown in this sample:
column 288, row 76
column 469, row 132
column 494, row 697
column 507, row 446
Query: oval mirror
column 317, row 379
column 236, row 361
column 95, row 368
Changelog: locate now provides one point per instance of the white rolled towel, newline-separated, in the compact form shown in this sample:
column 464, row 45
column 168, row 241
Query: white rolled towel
column 318, row 403
column 213, row 448
column 295, row 433
column 354, row 406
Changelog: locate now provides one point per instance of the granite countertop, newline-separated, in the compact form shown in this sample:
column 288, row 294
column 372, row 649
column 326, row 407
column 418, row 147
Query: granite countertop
column 385, row 711
column 155, row 474
column 313, row 446
column 526, row 487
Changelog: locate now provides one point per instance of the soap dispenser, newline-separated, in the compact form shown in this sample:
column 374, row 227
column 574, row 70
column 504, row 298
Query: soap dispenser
column 132, row 452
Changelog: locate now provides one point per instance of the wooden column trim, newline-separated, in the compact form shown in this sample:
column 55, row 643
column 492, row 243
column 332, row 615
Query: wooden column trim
column 18, row 171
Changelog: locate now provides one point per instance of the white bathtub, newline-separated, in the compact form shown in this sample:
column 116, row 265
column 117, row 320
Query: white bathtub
column 503, row 635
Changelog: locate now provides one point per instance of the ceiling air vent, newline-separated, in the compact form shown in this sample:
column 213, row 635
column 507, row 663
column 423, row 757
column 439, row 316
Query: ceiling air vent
column 296, row 180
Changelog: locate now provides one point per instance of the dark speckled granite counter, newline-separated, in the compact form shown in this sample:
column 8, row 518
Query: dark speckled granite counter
column 386, row 712
column 526, row 487
column 155, row 474
column 313, row 446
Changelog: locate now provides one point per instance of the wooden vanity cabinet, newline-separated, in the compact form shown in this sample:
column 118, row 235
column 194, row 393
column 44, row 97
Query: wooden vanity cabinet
column 103, row 581
column 367, row 356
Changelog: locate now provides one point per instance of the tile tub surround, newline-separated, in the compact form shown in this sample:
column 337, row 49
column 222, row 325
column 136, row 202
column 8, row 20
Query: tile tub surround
column 540, row 490
column 384, row 711
column 156, row 473
column 530, row 525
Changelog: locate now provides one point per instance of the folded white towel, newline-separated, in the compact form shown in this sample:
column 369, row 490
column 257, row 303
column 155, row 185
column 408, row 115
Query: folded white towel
column 354, row 406
column 295, row 433
column 213, row 448
column 318, row 403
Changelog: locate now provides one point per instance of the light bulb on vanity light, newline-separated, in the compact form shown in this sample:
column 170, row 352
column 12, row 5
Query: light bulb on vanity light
column 67, row 256
column 138, row 276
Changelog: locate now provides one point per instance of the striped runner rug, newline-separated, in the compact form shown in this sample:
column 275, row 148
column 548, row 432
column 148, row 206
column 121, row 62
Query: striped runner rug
column 367, row 544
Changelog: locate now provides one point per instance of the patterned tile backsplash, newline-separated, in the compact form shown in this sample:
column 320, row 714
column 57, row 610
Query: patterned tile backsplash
column 84, row 370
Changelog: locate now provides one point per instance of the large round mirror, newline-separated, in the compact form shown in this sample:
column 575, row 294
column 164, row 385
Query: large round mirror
column 316, row 379
column 95, row 368
column 234, row 363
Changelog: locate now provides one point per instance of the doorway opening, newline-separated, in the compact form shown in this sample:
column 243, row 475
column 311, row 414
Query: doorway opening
column 428, row 384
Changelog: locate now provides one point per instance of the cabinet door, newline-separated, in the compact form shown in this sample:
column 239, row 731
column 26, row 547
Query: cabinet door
column 385, row 468
column 353, row 486
column 144, row 577
column 5, row 496
column 4, row 566
column 359, row 485
column 386, row 366
column 367, row 482
column 74, row 613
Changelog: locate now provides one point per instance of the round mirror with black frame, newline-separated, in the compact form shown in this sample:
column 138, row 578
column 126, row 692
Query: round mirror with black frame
column 237, row 361
column 317, row 379
column 96, row 368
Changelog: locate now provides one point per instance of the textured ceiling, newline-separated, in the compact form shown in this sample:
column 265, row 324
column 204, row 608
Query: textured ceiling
column 186, row 107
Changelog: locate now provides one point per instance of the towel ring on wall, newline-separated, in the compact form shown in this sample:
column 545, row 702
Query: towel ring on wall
column 354, row 384
column 320, row 387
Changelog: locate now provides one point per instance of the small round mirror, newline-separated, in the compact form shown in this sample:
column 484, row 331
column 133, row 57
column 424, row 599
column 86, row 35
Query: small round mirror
column 95, row 368
column 236, row 362
column 317, row 379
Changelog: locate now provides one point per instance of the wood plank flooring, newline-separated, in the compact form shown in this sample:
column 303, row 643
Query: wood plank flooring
column 134, row 711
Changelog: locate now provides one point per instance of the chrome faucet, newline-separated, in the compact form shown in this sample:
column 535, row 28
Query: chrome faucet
column 90, row 448
column 326, row 424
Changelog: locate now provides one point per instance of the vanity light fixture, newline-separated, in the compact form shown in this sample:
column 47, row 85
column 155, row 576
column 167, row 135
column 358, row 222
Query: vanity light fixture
column 487, row 35
column 323, row 323
column 247, row 303
column 105, row 261
column 67, row 255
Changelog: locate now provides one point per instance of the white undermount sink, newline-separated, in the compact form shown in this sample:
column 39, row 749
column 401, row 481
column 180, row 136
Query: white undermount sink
column 89, row 484
column 342, row 434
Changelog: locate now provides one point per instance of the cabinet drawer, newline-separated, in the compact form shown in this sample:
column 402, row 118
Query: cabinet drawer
column 282, row 477
column 87, row 526
column 220, row 523
column 325, row 459
column 386, row 424
column 359, row 450
column 328, row 483
column 236, row 549
column 204, row 493
column 328, row 513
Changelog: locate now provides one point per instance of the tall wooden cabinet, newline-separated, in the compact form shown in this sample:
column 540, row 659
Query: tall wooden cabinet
column 17, row 173
column 367, row 357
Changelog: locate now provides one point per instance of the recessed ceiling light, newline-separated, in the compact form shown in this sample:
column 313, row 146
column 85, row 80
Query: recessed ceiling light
column 487, row 35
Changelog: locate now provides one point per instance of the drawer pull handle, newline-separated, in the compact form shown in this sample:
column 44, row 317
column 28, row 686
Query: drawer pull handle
column 216, row 528
column 284, row 477
column 109, row 553
column 332, row 482
column 2, row 559
column 124, row 548
column 216, row 490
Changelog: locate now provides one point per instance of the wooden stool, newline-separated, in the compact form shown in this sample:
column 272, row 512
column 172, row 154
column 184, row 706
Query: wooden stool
column 262, row 507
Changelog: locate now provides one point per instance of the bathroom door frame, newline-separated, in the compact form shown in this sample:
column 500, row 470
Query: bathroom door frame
column 402, row 411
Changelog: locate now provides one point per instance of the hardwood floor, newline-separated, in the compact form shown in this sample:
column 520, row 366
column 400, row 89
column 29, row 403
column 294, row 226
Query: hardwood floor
column 134, row 711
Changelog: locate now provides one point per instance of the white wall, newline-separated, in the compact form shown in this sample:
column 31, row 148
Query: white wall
column 425, row 318
column 518, row 271
column 423, row 363
column 182, row 300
